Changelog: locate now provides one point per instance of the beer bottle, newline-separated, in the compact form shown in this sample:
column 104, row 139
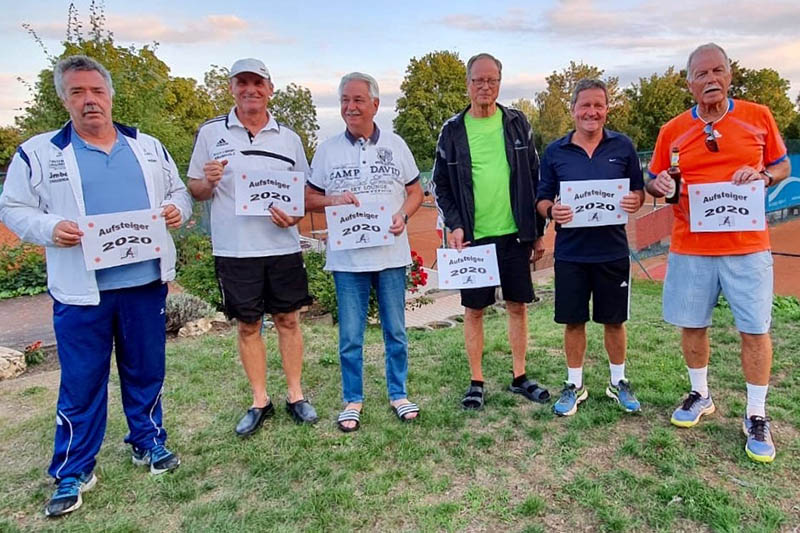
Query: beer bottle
column 674, row 172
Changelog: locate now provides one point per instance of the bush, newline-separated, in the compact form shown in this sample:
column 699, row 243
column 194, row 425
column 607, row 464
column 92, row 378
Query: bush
column 786, row 306
column 195, row 266
column 322, row 288
column 320, row 282
column 183, row 308
column 22, row 270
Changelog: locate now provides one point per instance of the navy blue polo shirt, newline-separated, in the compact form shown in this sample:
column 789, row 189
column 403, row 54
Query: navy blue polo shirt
column 614, row 158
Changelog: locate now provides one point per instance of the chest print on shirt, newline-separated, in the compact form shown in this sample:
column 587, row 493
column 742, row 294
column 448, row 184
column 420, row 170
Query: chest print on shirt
column 384, row 156
column 58, row 169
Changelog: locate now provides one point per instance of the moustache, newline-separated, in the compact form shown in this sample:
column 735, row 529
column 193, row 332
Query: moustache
column 91, row 109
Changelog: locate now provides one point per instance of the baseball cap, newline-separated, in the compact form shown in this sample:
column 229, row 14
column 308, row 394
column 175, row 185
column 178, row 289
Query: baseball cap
column 249, row 65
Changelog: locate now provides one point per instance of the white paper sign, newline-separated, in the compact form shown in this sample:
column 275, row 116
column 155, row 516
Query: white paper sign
column 122, row 238
column 472, row 267
column 258, row 189
column 727, row 207
column 594, row 202
column 351, row 227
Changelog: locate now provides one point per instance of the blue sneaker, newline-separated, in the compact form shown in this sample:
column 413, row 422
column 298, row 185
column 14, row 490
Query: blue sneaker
column 693, row 407
column 567, row 404
column 624, row 396
column 67, row 496
column 759, row 447
column 158, row 457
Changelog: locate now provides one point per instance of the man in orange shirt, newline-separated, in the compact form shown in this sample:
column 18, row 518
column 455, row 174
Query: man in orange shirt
column 720, row 140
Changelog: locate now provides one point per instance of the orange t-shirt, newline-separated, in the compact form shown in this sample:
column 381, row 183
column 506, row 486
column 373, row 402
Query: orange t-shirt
column 749, row 136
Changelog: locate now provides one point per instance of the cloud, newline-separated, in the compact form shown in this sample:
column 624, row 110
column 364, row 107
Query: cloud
column 149, row 28
column 513, row 21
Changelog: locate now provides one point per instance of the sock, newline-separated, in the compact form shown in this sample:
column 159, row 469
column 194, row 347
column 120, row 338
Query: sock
column 617, row 373
column 575, row 376
column 756, row 400
column 519, row 380
column 476, row 383
column 699, row 380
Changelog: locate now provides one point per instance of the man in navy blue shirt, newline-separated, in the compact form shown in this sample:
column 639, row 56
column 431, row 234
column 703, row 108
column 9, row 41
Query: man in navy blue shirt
column 591, row 261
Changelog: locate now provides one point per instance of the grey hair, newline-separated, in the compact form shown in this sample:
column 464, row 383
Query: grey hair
column 586, row 84
column 484, row 55
column 374, row 93
column 78, row 63
column 703, row 48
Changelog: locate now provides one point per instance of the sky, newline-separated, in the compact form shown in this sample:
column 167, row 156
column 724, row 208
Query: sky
column 314, row 43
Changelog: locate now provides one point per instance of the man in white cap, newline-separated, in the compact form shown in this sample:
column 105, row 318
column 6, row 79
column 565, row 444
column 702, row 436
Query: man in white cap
column 257, row 259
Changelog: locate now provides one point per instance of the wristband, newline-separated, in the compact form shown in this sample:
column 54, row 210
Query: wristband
column 550, row 212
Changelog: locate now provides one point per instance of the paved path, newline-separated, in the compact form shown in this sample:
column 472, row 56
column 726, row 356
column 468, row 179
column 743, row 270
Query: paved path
column 448, row 303
column 25, row 320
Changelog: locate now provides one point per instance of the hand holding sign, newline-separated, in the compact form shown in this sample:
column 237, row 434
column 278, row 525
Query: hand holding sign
column 257, row 190
column 122, row 238
column 351, row 227
column 469, row 268
column 595, row 202
column 725, row 206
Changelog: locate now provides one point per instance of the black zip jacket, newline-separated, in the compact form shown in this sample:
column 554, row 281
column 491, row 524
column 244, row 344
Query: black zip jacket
column 452, row 175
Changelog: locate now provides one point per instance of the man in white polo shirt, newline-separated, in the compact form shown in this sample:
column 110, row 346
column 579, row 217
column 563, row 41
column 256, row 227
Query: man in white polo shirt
column 257, row 258
column 364, row 164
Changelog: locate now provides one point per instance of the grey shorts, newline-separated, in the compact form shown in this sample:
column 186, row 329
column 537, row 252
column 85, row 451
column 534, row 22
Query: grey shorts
column 694, row 282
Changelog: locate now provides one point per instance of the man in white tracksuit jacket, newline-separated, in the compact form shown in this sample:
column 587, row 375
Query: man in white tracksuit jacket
column 94, row 166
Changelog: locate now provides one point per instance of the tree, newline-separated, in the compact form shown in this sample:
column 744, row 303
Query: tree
column 292, row 106
column 10, row 138
column 553, row 103
column 764, row 86
column 528, row 109
column 433, row 90
column 653, row 102
column 145, row 95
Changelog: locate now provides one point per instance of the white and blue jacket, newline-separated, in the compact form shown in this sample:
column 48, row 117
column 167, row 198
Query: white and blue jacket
column 43, row 187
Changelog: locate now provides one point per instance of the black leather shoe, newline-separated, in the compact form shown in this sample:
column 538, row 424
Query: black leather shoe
column 253, row 419
column 302, row 412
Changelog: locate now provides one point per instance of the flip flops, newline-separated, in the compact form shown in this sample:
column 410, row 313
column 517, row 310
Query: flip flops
column 403, row 410
column 349, row 415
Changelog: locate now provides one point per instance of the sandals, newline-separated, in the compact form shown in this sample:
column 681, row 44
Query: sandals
column 473, row 399
column 532, row 391
column 349, row 415
column 404, row 409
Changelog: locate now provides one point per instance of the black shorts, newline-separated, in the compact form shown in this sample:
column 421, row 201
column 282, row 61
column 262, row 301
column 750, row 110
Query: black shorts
column 513, row 260
column 607, row 283
column 252, row 286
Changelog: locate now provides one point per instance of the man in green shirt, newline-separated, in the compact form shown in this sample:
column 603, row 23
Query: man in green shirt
column 486, row 174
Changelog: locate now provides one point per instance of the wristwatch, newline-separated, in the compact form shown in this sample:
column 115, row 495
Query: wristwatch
column 770, row 177
column 405, row 217
column 550, row 212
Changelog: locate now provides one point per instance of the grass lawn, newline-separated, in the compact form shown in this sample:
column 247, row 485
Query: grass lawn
column 513, row 466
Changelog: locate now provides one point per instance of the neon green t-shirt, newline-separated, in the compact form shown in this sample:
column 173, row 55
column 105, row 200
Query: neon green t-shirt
column 491, row 176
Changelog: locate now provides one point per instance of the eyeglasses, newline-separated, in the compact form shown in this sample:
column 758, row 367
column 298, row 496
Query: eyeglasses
column 490, row 82
column 711, row 139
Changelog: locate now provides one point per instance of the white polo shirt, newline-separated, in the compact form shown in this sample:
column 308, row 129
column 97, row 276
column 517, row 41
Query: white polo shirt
column 275, row 147
column 377, row 169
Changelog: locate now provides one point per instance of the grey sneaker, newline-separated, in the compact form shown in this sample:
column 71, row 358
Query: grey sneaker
column 693, row 407
column 759, row 447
